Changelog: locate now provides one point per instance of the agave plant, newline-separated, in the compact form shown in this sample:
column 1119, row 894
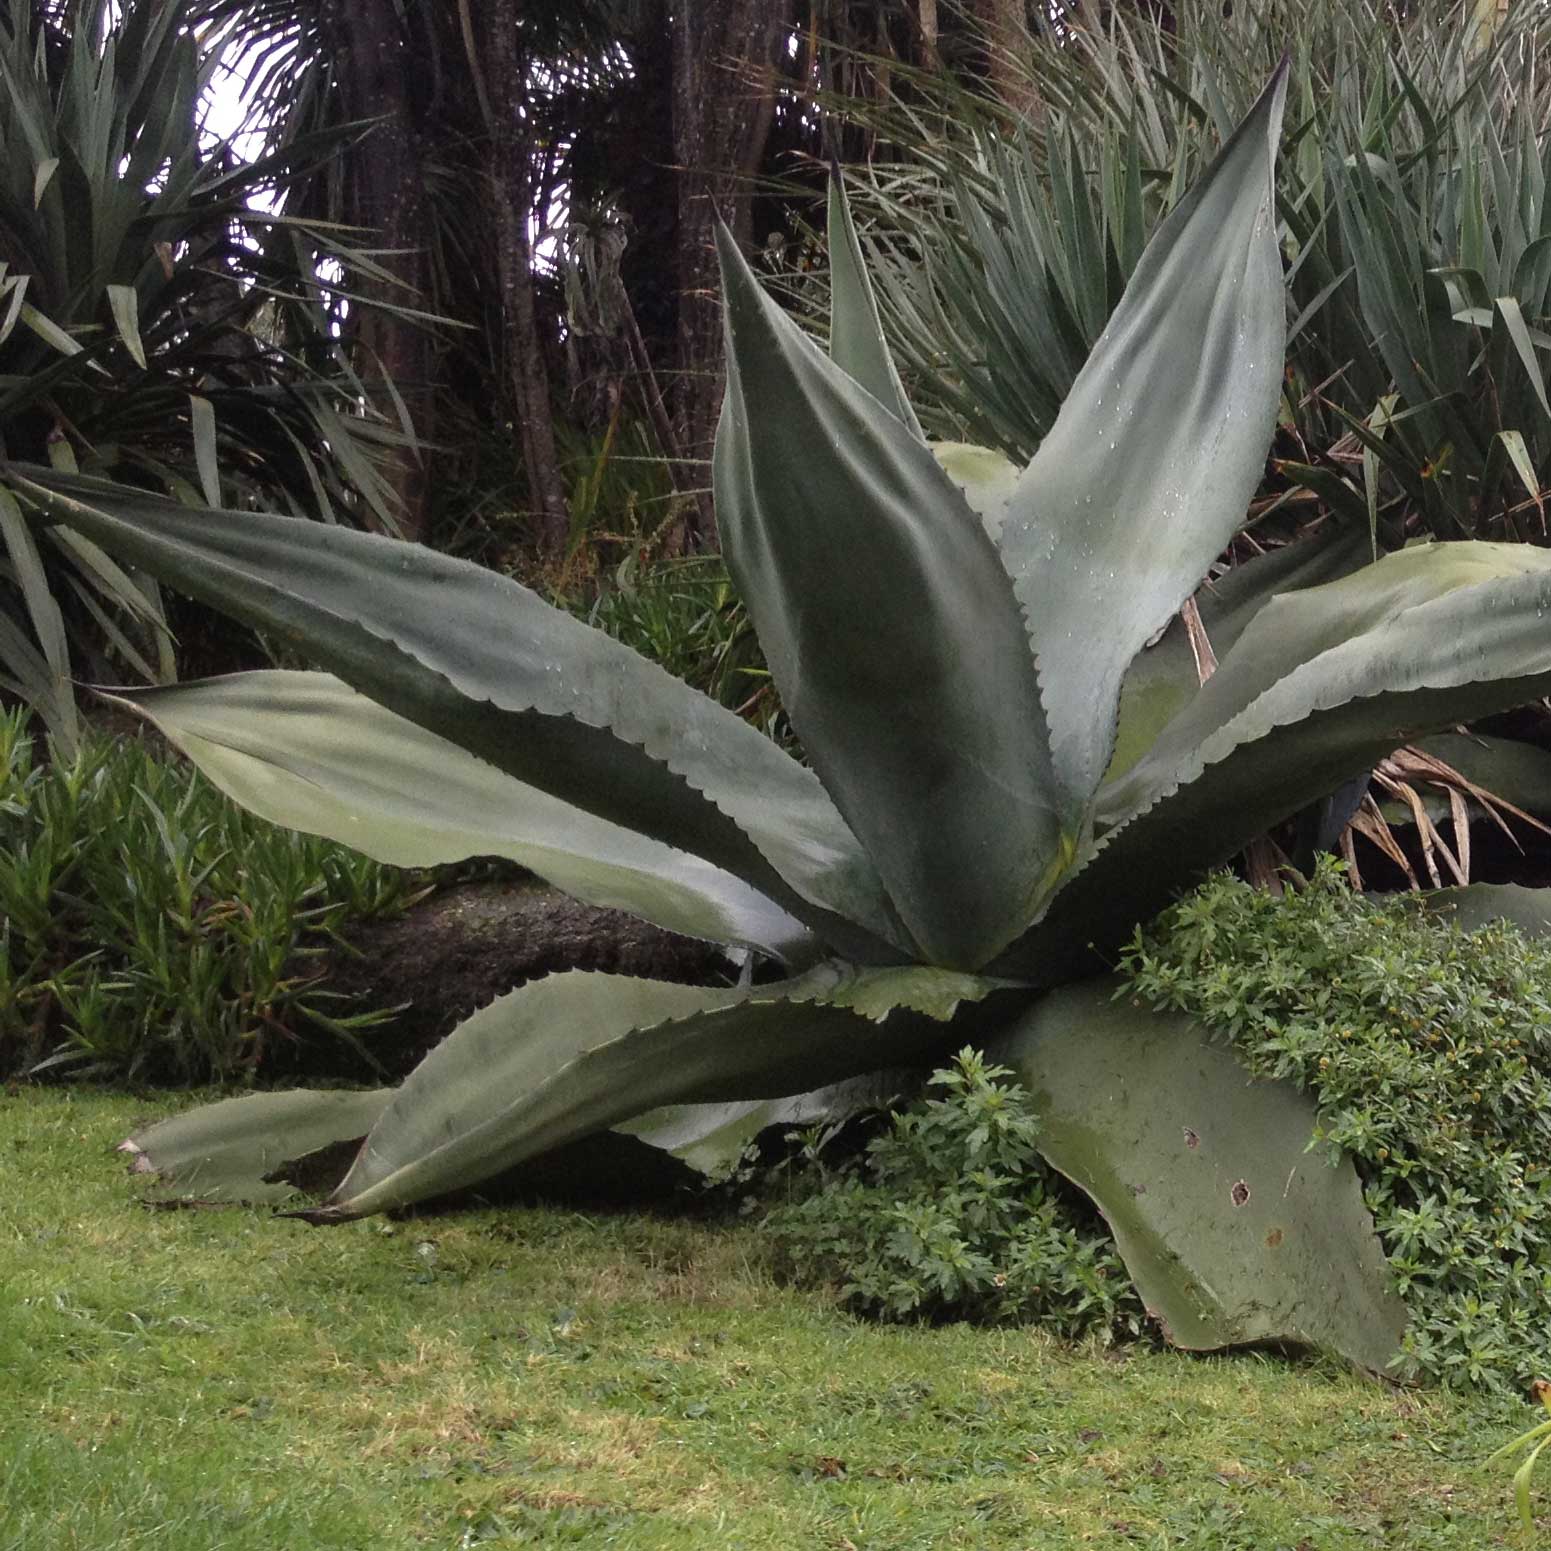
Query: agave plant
column 1005, row 778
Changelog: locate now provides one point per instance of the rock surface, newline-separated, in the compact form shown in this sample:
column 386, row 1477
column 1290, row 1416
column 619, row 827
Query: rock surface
column 470, row 943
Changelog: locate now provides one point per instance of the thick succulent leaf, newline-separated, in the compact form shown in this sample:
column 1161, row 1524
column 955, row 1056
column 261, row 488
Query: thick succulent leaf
column 272, row 1148
column 1422, row 618
column 985, row 478
column 1233, row 1230
column 1163, row 678
column 1516, row 772
column 231, row 1151
column 1150, row 466
column 712, row 1138
column 856, row 341
column 575, row 1053
column 1479, row 904
column 891, row 631
column 491, row 667
column 1322, row 685
column 305, row 750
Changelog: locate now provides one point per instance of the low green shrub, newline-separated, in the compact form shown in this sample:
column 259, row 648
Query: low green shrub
column 950, row 1213
column 152, row 930
column 1428, row 1051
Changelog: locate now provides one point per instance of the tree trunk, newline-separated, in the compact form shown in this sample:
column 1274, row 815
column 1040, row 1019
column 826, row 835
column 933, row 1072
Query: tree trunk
column 524, row 347
column 384, row 191
column 926, row 16
column 1005, row 25
column 725, row 56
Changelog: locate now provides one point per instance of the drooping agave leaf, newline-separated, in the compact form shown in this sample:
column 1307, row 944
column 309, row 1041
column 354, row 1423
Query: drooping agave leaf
column 269, row 1148
column 1479, row 904
column 1150, row 466
column 712, row 1138
column 1232, row 1229
column 575, row 1053
column 1322, row 685
column 305, row 750
column 1164, row 678
column 856, row 342
column 229, row 1151
column 491, row 667
column 1515, row 771
column 891, row 631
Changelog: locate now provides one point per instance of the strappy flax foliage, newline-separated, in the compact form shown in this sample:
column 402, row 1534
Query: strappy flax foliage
column 1005, row 776
column 155, row 326
column 1416, row 229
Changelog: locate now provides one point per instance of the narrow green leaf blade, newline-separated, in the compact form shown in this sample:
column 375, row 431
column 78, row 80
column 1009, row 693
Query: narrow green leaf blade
column 125, row 302
column 305, row 750
column 1519, row 333
column 48, row 331
column 1150, row 466
column 42, row 178
column 891, row 631
column 14, row 290
column 1233, row 1230
column 206, row 457
column 43, row 609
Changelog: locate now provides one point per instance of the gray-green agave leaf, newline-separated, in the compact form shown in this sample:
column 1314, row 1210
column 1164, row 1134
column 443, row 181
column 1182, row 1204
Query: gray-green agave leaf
column 488, row 665
column 1234, row 1229
column 1320, row 685
column 307, row 751
column 576, row 1053
column 890, row 629
column 238, row 1150
column 1150, row 466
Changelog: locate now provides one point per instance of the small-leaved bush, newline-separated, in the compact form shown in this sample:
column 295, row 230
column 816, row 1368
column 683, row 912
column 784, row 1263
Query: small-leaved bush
column 151, row 930
column 1428, row 1052
column 950, row 1213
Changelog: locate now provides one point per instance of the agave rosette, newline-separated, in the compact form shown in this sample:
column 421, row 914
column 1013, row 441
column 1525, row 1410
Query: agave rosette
column 1004, row 777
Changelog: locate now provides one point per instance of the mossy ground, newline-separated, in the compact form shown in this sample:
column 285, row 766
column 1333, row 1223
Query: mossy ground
column 186, row 1380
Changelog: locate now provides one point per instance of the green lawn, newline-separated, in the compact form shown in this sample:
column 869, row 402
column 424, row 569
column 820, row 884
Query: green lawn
column 218, row 1380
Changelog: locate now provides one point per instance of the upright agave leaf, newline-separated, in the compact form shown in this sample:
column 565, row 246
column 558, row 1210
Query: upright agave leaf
column 891, row 630
column 1151, row 464
column 856, row 342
